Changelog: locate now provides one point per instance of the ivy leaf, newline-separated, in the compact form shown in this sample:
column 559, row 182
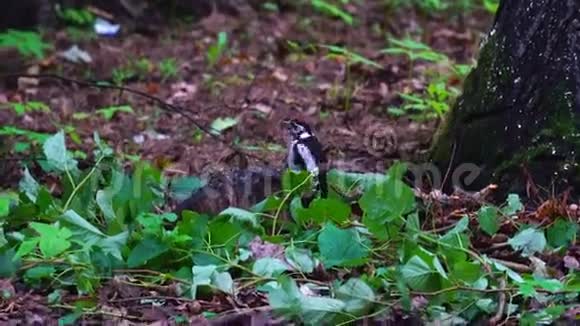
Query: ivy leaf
column 466, row 272
column 221, row 124
column 561, row 233
column 287, row 298
column 269, row 267
column 419, row 275
column 341, row 247
column 528, row 241
column 201, row 276
column 300, row 259
column 39, row 272
column 223, row 281
column 53, row 240
column 357, row 295
column 4, row 205
column 509, row 272
column 241, row 215
column 513, row 205
column 29, row 186
column 3, row 240
column 109, row 112
column 347, row 181
column 460, row 226
column 146, row 250
column 389, row 200
column 182, row 188
column 56, row 154
column 104, row 199
column 76, row 220
column 210, row 276
column 26, row 247
column 333, row 209
column 487, row 217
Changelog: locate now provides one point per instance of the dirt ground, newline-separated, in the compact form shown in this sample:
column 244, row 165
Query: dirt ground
column 259, row 82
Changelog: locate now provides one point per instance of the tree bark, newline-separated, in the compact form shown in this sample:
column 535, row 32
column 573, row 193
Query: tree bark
column 519, row 113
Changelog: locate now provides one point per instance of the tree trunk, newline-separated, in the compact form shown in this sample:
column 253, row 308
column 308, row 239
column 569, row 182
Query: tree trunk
column 518, row 119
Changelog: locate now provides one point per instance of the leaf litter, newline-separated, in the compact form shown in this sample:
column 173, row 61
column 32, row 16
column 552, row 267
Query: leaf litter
column 404, row 253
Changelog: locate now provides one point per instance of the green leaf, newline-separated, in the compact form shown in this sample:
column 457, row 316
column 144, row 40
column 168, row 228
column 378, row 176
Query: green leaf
column 528, row 241
column 286, row 299
column 113, row 244
column 9, row 263
column 332, row 10
column 317, row 310
column 223, row 282
column 215, row 51
column 104, row 199
column 223, row 232
column 146, row 250
column 388, row 200
column 466, row 272
column 3, row 240
column 39, row 272
column 322, row 210
column 357, row 295
column 4, row 205
column 183, row 187
column 241, row 215
column 269, row 267
column 221, row 124
column 348, row 181
column 420, row 276
column 56, row 154
column 300, row 259
column 29, row 186
column 341, row 247
column 53, row 240
column 562, row 233
column 460, row 226
column 75, row 219
column 509, row 272
column 26, row 247
column 487, row 217
column 109, row 112
column 201, row 276
column 513, row 205
column 209, row 276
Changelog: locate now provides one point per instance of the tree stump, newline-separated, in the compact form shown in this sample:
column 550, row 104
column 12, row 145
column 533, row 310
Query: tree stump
column 518, row 119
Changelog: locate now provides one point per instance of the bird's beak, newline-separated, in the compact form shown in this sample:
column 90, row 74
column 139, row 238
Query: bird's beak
column 285, row 122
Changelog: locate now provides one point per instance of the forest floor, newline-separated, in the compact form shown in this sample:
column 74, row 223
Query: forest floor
column 273, row 66
column 271, row 69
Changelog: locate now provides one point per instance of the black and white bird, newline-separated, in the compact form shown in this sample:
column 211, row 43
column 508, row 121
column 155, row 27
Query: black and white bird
column 305, row 153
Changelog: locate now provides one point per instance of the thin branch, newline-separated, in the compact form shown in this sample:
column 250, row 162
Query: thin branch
column 501, row 298
column 164, row 105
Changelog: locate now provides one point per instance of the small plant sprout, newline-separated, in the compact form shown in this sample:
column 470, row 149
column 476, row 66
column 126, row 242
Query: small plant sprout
column 434, row 104
column 414, row 51
column 28, row 44
column 168, row 68
column 332, row 10
column 216, row 50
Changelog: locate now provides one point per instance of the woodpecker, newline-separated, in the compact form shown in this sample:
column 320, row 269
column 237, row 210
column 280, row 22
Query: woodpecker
column 305, row 153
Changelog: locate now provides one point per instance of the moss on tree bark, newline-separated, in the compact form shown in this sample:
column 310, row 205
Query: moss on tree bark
column 519, row 115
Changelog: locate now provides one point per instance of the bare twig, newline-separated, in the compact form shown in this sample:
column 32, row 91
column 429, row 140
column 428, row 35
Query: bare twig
column 501, row 299
column 163, row 104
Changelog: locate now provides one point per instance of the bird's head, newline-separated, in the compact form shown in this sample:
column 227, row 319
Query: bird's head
column 297, row 129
